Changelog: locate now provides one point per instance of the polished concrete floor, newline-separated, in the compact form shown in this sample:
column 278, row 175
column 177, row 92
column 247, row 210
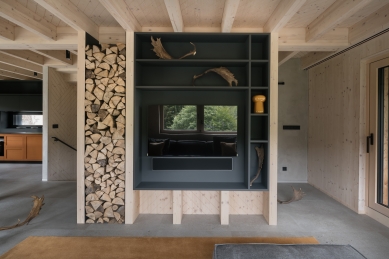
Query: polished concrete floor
column 316, row 215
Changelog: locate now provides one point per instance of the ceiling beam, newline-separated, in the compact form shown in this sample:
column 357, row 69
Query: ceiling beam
column 20, row 15
column 7, row 30
column 284, row 11
column 25, row 55
column 19, row 71
column 71, row 15
column 370, row 25
column 14, row 76
column 122, row 13
column 6, row 78
column 20, row 63
column 284, row 56
column 332, row 16
column 314, row 57
column 230, row 9
column 24, row 39
column 174, row 10
column 59, row 55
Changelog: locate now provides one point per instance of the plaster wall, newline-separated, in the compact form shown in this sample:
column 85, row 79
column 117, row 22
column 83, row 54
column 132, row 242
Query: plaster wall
column 292, row 110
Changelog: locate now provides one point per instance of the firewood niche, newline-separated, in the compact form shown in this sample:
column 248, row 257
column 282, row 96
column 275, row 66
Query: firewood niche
column 105, row 121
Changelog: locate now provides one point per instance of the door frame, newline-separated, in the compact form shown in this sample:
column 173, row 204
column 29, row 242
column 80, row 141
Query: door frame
column 372, row 126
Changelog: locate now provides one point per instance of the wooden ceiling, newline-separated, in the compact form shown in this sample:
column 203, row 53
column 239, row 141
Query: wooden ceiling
column 34, row 33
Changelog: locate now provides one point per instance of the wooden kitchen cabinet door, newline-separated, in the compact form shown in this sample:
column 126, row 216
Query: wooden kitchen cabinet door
column 15, row 147
column 34, row 147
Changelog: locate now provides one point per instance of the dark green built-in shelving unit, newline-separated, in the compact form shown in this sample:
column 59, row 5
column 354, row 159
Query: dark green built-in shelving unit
column 160, row 81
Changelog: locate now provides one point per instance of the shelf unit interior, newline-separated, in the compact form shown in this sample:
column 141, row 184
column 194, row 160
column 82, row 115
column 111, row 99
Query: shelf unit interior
column 168, row 82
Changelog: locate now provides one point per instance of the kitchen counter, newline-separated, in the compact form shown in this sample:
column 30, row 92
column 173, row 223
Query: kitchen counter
column 9, row 133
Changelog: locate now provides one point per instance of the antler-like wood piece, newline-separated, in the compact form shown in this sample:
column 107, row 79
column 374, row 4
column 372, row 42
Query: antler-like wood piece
column 297, row 195
column 38, row 203
column 261, row 155
column 163, row 54
column 223, row 72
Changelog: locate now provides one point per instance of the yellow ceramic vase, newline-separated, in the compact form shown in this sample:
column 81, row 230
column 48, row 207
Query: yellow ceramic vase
column 258, row 103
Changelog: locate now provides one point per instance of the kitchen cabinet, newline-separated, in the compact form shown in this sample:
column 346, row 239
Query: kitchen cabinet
column 22, row 147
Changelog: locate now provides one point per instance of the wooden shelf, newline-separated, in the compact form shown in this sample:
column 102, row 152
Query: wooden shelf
column 194, row 88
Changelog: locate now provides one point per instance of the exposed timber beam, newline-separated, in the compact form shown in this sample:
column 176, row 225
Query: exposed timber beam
column 25, row 55
column 24, row 39
column 6, row 78
column 7, row 30
column 19, row 71
column 284, row 56
column 332, row 16
column 71, row 15
column 230, row 9
column 20, row 15
column 59, row 55
column 122, row 13
column 14, row 76
column 314, row 57
column 20, row 63
column 370, row 25
column 293, row 39
column 284, row 11
column 174, row 10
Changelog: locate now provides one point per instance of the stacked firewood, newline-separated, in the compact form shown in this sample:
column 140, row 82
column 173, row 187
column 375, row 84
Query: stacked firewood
column 105, row 133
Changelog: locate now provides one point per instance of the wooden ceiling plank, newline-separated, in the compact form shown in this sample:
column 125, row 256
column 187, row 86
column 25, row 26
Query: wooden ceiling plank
column 14, row 76
column 71, row 15
column 229, row 13
column 59, row 55
column 6, row 78
column 314, row 57
column 20, row 63
column 174, row 10
column 7, row 31
column 122, row 13
column 284, row 11
column 19, row 71
column 20, row 15
column 369, row 26
column 25, row 55
column 284, row 56
column 332, row 16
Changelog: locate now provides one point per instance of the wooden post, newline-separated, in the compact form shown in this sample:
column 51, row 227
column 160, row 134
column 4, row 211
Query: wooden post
column 224, row 207
column 270, row 197
column 80, row 127
column 45, row 128
column 177, row 207
column 131, row 196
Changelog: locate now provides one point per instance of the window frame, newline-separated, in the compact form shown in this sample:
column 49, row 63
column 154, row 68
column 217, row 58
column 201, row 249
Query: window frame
column 200, row 122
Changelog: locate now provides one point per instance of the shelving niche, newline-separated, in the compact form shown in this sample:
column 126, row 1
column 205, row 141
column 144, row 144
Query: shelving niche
column 159, row 81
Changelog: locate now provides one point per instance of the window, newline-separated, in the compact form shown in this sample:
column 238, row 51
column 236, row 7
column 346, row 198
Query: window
column 28, row 119
column 199, row 118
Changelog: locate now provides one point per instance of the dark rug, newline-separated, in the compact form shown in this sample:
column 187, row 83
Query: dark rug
column 257, row 251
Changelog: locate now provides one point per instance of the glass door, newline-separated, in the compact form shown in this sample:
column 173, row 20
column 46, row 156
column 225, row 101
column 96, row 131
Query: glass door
column 377, row 140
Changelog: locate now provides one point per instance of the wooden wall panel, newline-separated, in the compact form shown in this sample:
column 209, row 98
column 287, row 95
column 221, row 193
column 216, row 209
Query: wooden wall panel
column 156, row 202
column 62, row 110
column 201, row 202
column 337, row 131
column 246, row 203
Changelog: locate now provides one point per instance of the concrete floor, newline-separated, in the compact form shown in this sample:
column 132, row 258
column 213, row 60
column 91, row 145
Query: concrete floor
column 316, row 215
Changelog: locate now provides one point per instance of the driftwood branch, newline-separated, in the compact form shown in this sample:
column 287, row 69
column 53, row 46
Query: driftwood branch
column 223, row 72
column 297, row 195
column 162, row 53
column 261, row 156
column 38, row 203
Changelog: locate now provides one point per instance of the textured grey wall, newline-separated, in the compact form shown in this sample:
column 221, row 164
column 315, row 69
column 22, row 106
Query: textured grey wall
column 62, row 110
column 292, row 110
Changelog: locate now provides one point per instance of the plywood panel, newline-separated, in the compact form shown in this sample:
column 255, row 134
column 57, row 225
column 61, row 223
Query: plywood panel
column 151, row 13
column 96, row 12
column 62, row 110
column 373, row 6
column 201, row 202
column 202, row 13
column 156, row 202
column 336, row 133
column 254, row 14
column 308, row 12
column 246, row 203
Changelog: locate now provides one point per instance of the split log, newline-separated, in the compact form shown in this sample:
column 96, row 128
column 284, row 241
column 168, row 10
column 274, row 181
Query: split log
column 36, row 208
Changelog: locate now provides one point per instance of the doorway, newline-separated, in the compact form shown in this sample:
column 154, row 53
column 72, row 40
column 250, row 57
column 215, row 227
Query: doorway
column 378, row 138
